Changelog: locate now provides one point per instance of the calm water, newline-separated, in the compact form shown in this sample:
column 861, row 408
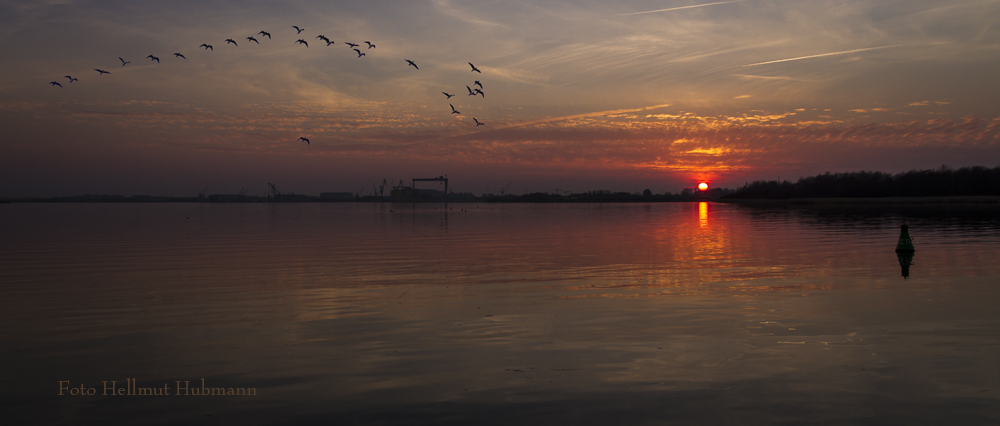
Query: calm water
column 680, row 313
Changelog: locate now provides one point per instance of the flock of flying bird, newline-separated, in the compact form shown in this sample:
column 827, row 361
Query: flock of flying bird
column 208, row 47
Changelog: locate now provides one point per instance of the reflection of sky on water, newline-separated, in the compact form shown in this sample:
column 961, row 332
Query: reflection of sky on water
column 641, row 313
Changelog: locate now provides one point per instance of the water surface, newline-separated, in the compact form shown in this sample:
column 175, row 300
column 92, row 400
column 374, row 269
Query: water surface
column 669, row 313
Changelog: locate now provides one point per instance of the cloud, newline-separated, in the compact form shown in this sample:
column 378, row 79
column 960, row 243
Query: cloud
column 516, row 75
column 620, row 142
column 587, row 115
column 723, row 144
column 680, row 7
column 447, row 8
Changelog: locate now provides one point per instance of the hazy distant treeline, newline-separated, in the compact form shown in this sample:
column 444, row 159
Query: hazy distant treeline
column 941, row 182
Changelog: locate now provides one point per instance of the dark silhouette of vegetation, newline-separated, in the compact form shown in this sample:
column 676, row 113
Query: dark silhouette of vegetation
column 943, row 182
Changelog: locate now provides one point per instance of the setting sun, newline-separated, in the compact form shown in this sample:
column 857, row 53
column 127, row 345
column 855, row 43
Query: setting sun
column 702, row 186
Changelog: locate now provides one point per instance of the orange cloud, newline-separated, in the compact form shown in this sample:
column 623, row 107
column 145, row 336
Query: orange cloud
column 615, row 141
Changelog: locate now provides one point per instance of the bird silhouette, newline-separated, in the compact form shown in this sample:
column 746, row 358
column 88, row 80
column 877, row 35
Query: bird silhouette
column 304, row 139
column 370, row 45
column 265, row 33
column 449, row 95
column 207, row 47
column 180, row 56
column 153, row 58
column 411, row 63
column 229, row 40
column 301, row 41
column 453, row 110
column 477, row 83
column 329, row 42
column 480, row 92
column 102, row 72
column 253, row 40
column 471, row 93
column 124, row 61
column 55, row 83
column 71, row 79
column 474, row 68
column 300, row 30
column 359, row 53
column 478, row 123
column 350, row 44
column 323, row 37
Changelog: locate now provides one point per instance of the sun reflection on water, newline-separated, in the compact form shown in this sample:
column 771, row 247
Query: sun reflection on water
column 703, row 214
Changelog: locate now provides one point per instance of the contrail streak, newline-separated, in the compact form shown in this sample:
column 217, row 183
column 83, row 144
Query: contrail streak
column 822, row 54
column 679, row 8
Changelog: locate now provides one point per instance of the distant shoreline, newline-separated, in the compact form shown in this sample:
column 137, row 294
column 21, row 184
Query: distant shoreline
column 842, row 201
column 313, row 200
column 874, row 201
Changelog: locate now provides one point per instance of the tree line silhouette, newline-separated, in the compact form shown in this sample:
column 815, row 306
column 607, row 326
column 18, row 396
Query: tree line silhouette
column 942, row 182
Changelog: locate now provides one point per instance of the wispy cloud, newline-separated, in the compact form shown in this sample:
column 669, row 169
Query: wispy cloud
column 680, row 7
column 447, row 8
column 822, row 55
column 587, row 115
column 516, row 75
column 926, row 103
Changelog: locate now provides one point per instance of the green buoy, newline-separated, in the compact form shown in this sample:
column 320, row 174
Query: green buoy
column 905, row 244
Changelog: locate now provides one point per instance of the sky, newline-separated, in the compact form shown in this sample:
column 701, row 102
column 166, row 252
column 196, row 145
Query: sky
column 577, row 95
